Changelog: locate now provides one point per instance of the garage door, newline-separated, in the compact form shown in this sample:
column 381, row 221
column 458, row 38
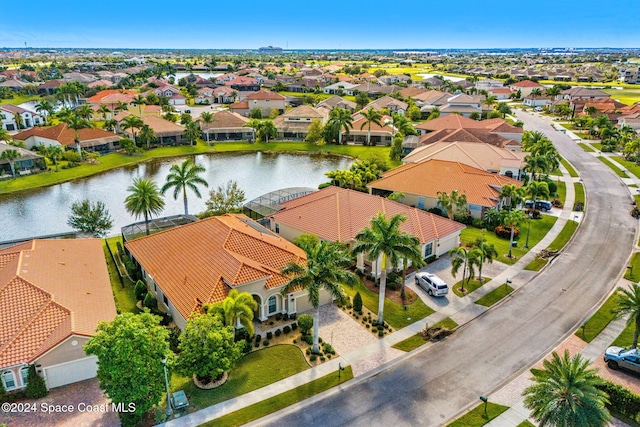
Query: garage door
column 71, row 372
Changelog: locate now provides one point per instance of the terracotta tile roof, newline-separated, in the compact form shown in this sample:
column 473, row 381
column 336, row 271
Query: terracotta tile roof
column 450, row 121
column 463, row 135
column 15, row 109
column 431, row 176
column 66, row 136
column 242, row 81
column 50, row 289
column 227, row 120
column 200, row 262
column 51, row 84
column 385, row 102
column 412, row 91
column 242, row 105
column 482, row 156
column 526, row 83
column 162, row 127
column 97, row 98
column 338, row 214
column 105, row 83
column 499, row 90
column 264, row 94
column 359, row 121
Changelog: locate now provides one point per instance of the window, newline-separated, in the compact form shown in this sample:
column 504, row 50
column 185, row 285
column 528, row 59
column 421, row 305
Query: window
column 9, row 380
column 277, row 228
column 165, row 300
column 24, row 373
column 273, row 304
column 428, row 249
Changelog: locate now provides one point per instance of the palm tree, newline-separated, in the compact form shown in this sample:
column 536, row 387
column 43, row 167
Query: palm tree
column 265, row 130
column 11, row 155
column 110, row 125
column 207, row 118
column 326, row 268
column 132, row 122
column 489, row 101
column 122, row 106
column 487, row 253
column 591, row 110
column 104, row 110
column 145, row 200
column 402, row 124
column 529, row 139
column 452, row 203
column 512, row 219
column 236, row 307
column 552, row 91
column 139, row 100
column 535, row 164
column 535, row 92
column 182, row 176
column 383, row 238
column 4, row 135
column 511, row 194
column 370, row 116
column 44, row 108
column 339, row 119
column 565, row 393
column 84, row 111
column 192, row 131
column 147, row 135
column 468, row 259
column 54, row 152
column 504, row 108
column 628, row 304
column 76, row 123
column 536, row 190
column 434, row 114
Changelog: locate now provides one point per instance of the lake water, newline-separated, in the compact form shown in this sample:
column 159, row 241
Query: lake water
column 45, row 211
column 453, row 79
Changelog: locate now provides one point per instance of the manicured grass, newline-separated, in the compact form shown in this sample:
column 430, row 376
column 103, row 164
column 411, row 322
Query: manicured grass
column 568, row 126
column 124, row 295
column 625, row 339
column 586, row 147
column 394, row 313
column 564, row 236
column 599, row 320
column 19, row 99
column 536, row 264
column 613, row 167
column 469, row 287
column 569, row 168
column 476, row 416
column 556, row 173
column 633, row 273
column 539, row 228
column 276, row 403
column 579, row 194
column 626, row 96
column 597, row 145
column 632, row 167
column 254, row 370
column 448, row 323
column 116, row 160
column 495, row 295
column 561, row 193
column 410, row 343
column 525, row 423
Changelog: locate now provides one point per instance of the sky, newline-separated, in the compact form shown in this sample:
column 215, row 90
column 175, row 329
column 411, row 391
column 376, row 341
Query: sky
column 327, row 24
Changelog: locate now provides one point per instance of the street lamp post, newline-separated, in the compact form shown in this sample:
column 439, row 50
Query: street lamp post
column 526, row 245
column 166, row 383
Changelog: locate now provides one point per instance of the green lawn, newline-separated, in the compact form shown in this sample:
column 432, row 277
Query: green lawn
column 626, row 96
column 469, row 287
column 539, row 229
column 476, row 416
column 448, row 323
column 586, row 147
column 19, row 99
column 568, row 126
column 569, row 168
column 416, row 340
column 564, row 236
column 276, row 403
column 124, row 296
column 394, row 313
column 495, row 295
column 525, row 423
column 599, row 320
column 536, row 264
column 254, row 370
column 633, row 273
column 597, row 145
column 613, row 167
column 632, row 167
column 561, row 193
column 116, row 160
column 625, row 339
column 579, row 197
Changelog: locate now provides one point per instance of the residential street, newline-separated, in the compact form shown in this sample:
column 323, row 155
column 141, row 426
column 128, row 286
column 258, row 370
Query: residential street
column 430, row 386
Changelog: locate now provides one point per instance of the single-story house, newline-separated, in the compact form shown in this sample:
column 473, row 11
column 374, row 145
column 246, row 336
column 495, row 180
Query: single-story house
column 391, row 104
column 27, row 161
column 538, row 101
column 199, row 263
column 167, row 132
column 338, row 214
column 295, row 123
column 380, row 135
column 91, row 139
column 227, row 126
column 338, row 102
column 455, row 121
column 420, row 183
column 53, row 294
column 525, row 87
column 501, row 93
column 338, row 88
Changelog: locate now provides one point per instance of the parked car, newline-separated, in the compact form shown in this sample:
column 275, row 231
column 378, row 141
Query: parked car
column 541, row 205
column 431, row 283
column 618, row 357
column 538, row 109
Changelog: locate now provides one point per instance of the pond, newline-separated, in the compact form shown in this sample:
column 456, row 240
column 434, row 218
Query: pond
column 45, row 211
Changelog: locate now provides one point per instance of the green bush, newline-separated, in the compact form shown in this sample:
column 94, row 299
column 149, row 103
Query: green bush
column 308, row 339
column 622, row 400
column 305, row 321
column 553, row 187
column 265, row 343
column 357, row 302
column 71, row 156
column 286, row 329
column 269, row 335
column 294, row 326
column 313, row 357
column 174, row 339
column 140, row 290
column 248, row 346
column 150, row 302
column 505, row 232
column 36, row 388
column 278, row 332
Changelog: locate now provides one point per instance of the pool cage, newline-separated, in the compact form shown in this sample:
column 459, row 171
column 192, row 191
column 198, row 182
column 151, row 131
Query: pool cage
column 270, row 203
column 138, row 229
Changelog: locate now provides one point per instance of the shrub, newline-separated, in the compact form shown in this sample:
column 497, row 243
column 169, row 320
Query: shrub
column 308, row 339
column 326, row 347
column 308, row 351
column 380, row 327
column 278, row 332
column 380, row 333
column 174, row 339
column 258, row 337
column 505, row 232
column 257, row 344
column 478, row 223
column 248, row 346
column 578, row 206
column 294, row 326
column 463, row 217
column 150, row 302
column 242, row 334
column 392, row 285
column 556, row 203
column 306, row 323
column 279, row 316
column 285, row 316
column 265, row 343
column 313, row 357
column 140, row 290
column 621, row 400
column 286, row 329
column 36, row 388
column 320, row 340
column 71, row 156
column 367, row 326
column 293, row 316
column 553, row 187
column 436, row 211
column 269, row 335
column 322, row 358
column 430, row 259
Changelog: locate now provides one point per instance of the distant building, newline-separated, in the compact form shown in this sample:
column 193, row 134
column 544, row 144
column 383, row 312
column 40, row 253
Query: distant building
column 270, row 50
column 630, row 75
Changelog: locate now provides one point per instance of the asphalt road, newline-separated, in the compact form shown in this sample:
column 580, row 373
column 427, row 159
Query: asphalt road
column 434, row 385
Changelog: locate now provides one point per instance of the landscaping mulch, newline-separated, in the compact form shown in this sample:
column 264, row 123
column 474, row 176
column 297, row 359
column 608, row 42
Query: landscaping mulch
column 393, row 295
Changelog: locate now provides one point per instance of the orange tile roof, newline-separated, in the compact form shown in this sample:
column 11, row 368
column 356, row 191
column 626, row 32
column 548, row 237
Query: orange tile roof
column 199, row 263
column 264, row 94
column 67, row 136
column 49, row 290
column 525, row 83
column 431, row 176
column 450, row 121
column 338, row 214
column 98, row 97
column 483, row 156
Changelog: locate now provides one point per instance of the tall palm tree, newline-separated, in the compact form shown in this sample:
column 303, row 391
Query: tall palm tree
column 45, row 109
column 536, row 164
column 77, row 123
column 511, row 195
column 468, row 259
column 236, row 307
column 326, row 268
column 452, row 202
column 182, row 176
column 147, row 135
column 534, row 93
column 565, row 393
column 4, row 135
column 104, row 110
column 122, row 106
column 192, row 132
column 145, row 200
column 536, row 190
column 511, row 220
column 487, row 252
column 11, row 155
column 132, row 122
column 531, row 138
column 265, row 130
column 84, row 111
column 207, row 119
column 139, row 100
column 504, row 108
column 110, row 125
column 402, row 124
column 370, row 116
column 384, row 239
column 54, row 152
column 339, row 119
column 628, row 304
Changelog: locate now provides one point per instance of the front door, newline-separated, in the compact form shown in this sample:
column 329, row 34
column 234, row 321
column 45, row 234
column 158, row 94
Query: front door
column 420, row 202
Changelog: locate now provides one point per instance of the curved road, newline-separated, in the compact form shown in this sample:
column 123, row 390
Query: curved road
column 435, row 384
